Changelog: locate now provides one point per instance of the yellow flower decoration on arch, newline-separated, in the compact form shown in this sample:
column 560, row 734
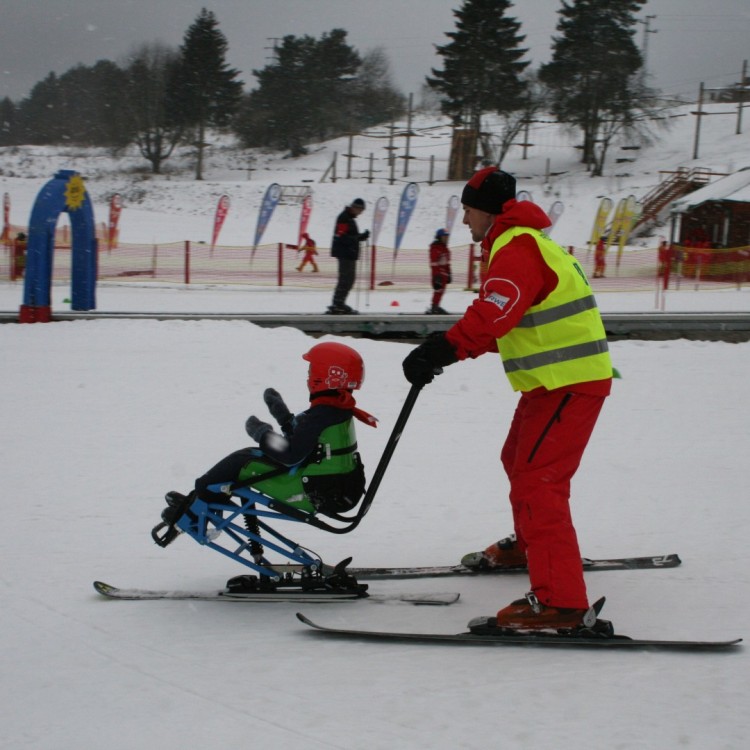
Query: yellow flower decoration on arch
column 75, row 192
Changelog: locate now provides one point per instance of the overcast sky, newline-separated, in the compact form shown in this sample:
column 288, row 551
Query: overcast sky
column 694, row 40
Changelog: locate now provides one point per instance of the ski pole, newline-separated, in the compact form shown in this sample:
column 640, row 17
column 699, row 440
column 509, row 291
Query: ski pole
column 366, row 268
column 390, row 447
column 372, row 488
column 360, row 267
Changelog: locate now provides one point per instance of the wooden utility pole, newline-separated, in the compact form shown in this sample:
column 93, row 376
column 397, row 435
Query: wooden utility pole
column 698, row 115
column 408, row 137
column 741, row 103
column 391, row 149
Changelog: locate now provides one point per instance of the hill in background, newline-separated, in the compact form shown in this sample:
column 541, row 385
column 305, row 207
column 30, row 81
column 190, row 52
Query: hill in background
column 173, row 206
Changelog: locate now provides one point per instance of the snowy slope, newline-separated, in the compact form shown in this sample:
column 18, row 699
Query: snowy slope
column 106, row 416
column 175, row 207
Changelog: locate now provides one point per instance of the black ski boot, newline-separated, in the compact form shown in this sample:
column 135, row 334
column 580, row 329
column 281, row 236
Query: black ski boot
column 341, row 310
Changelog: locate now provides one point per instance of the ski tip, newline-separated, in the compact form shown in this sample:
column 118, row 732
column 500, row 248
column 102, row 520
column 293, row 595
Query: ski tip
column 103, row 588
column 305, row 620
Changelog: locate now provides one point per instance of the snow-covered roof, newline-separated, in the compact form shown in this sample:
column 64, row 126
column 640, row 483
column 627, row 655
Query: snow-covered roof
column 733, row 187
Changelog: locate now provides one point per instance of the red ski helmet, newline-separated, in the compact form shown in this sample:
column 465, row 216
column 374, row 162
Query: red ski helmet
column 334, row 367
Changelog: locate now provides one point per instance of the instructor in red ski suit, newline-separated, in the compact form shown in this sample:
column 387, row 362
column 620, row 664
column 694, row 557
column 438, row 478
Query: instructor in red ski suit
column 536, row 308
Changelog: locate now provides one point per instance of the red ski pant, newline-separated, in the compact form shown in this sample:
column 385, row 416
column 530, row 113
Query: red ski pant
column 547, row 437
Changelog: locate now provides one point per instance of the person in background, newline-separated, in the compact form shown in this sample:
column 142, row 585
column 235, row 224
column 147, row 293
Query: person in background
column 309, row 248
column 440, row 270
column 345, row 248
column 537, row 310
column 18, row 264
column 600, row 258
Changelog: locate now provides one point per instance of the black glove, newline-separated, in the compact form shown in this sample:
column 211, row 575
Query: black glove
column 428, row 359
column 256, row 429
column 279, row 410
column 364, row 235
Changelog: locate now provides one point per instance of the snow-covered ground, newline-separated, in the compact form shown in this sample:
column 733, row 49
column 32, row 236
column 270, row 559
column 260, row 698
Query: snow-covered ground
column 100, row 418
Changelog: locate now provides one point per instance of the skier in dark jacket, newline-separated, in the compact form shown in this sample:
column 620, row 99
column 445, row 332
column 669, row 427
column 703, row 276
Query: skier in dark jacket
column 345, row 248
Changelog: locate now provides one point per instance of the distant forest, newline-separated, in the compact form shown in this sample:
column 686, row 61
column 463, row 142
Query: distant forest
column 315, row 89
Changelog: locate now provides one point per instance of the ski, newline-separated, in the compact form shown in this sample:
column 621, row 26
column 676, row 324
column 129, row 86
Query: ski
column 316, row 596
column 528, row 638
column 441, row 571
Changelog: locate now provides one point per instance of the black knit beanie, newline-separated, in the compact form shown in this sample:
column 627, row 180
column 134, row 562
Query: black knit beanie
column 488, row 190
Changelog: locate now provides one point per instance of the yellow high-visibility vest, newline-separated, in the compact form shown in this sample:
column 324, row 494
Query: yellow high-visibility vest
column 562, row 340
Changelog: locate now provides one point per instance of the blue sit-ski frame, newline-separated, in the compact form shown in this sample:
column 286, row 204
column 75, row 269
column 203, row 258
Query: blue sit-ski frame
column 205, row 522
column 212, row 523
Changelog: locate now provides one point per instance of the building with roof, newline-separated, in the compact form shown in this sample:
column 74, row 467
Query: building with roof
column 711, row 229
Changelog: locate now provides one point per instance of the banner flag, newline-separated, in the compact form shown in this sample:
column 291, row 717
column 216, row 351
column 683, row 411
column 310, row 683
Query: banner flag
column 408, row 201
column 600, row 221
column 304, row 217
column 450, row 212
column 554, row 213
column 5, row 237
column 381, row 206
column 270, row 199
column 222, row 208
column 115, row 208
column 630, row 214
column 616, row 226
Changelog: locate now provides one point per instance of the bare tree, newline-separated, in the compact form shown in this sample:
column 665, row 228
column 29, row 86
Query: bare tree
column 495, row 145
column 157, row 132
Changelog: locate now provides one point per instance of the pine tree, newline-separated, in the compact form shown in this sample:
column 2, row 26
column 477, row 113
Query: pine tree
column 307, row 93
column 592, row 74
column 482, row 64
column 94, row 109
column 40, row 115
column 8, row 124
column 204, row 91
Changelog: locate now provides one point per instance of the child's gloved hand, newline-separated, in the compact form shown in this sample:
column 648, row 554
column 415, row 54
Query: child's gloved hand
column 256, row 429
column 279, row 410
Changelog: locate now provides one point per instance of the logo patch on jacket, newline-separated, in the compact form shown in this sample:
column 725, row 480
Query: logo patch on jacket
column 497, row 299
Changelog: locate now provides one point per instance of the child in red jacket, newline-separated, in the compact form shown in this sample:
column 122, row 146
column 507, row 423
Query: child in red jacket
column 440, row 270
column 310, row 249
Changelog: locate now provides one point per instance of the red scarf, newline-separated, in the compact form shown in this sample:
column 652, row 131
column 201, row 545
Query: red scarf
column 343, row 400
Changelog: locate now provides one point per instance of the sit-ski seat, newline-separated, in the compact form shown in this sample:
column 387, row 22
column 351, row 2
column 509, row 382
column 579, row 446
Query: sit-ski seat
column 330, row 482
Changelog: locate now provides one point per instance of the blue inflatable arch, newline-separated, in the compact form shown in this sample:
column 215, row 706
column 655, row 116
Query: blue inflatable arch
column 65, row 192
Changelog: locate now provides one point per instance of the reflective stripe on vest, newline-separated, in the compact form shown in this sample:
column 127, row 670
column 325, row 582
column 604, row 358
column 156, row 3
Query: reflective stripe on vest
column 562, row 340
